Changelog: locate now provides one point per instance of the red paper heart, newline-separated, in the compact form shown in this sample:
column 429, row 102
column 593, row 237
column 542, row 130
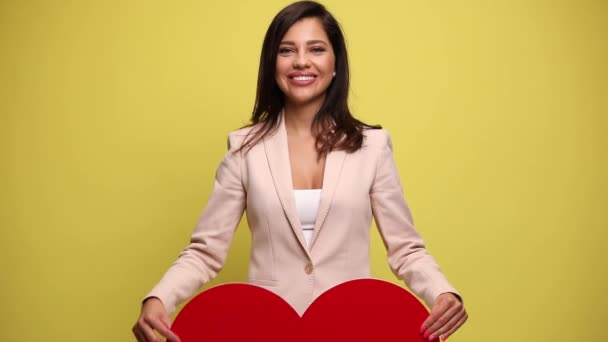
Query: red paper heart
column 358, row 310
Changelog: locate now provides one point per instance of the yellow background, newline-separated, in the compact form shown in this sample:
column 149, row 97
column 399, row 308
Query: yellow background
column 114, row 116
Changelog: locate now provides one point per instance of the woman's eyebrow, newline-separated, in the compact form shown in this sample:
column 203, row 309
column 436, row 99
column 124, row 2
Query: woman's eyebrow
column 310, row 42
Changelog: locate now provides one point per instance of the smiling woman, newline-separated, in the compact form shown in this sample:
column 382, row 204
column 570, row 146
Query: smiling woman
column 305, row 63
column 305, row 40
column 311, row 177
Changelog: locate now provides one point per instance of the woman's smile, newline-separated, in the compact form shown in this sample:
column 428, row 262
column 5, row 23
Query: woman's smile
column 302, row 79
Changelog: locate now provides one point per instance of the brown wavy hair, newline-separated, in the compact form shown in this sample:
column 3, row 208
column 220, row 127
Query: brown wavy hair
column 337, row 128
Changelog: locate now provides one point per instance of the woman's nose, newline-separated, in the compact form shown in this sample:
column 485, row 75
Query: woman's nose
column 301, row 60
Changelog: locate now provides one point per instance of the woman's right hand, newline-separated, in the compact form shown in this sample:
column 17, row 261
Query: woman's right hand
column 152, row 320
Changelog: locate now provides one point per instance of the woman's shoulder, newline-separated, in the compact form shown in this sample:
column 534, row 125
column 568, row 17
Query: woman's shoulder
column 237, row 137
column 245, row 131
column 376, row 137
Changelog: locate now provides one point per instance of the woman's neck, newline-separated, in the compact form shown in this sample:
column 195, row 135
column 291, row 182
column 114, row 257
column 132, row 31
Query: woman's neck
column 299, row 118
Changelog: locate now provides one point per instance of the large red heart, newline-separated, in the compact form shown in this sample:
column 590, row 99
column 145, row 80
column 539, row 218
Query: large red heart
column 358, row 310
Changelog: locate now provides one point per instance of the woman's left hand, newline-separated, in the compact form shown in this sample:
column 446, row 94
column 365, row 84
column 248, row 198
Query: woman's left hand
column 447, row 315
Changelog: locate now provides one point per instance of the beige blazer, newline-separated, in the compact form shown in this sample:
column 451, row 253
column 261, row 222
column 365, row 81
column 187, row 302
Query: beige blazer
column 356, row 187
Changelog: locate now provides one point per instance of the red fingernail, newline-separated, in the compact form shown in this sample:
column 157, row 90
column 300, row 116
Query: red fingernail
column 422, row 330
column 444, row 338
column 426, row 334
column 432, row 338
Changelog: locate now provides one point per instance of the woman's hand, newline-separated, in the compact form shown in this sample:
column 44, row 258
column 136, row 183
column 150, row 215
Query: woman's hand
column 447, row 315
column 153, row 319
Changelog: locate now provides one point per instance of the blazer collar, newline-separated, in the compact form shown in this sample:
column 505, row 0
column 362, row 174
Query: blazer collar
column 277, row 153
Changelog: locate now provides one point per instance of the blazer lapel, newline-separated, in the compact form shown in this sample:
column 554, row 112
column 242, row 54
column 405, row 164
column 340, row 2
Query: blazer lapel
column 331, row 175
column 277, row 153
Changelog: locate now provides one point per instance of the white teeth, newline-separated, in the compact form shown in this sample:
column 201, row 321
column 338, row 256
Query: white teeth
column 303, row 78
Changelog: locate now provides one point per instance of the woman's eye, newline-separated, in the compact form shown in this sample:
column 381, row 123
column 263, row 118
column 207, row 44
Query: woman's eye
column 318, row 49
column 284, row 50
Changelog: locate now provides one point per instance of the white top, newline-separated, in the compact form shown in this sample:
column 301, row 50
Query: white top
column 307, row 204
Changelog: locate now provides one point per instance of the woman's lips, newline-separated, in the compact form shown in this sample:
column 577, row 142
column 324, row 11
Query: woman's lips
column 302, row 81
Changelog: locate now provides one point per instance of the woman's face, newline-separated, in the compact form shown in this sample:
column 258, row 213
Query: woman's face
column 305, row 63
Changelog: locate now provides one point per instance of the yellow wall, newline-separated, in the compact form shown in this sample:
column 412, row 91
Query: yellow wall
column 114, row 115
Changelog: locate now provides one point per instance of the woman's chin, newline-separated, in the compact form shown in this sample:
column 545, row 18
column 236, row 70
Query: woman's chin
column 304, row 100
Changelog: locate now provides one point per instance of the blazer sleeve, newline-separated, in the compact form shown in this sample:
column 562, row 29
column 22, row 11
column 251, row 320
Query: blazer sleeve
column 204, row 257
column 407, row 255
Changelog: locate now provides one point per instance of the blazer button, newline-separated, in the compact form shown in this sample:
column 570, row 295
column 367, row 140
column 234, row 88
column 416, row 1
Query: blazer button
column 308, row 268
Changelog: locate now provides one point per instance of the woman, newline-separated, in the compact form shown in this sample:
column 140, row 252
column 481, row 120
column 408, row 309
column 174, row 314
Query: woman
column 310, row 177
